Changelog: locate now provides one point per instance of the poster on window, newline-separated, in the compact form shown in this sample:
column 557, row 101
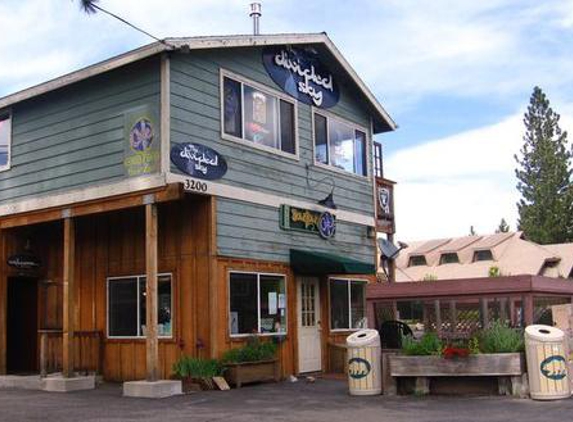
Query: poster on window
column 141, row 142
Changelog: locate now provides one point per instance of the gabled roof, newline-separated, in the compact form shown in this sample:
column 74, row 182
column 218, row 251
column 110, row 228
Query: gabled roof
column 512, row 255
column 385, row 122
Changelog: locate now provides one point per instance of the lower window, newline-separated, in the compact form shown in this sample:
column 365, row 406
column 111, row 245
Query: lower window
column 257, row 303
column 347, row 304
column 126, row 306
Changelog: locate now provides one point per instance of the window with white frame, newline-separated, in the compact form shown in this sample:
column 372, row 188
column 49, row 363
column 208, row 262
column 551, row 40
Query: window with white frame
column 339, row 144
column 126, row 306
column 5, row 140
column 257, row 303
column 347, row 304
column 257, row 115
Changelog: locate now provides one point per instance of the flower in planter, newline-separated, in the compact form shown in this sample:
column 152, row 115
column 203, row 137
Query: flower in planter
column 451, row 352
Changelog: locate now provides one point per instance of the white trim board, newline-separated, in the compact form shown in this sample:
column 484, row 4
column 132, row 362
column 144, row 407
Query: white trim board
column 200, row 43
column 270, row 200
column 82, row 195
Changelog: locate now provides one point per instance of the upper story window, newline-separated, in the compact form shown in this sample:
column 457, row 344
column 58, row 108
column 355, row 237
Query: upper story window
column 339, row 144
column 258, row 116
column 5, row 141
column 378, row 172
column 483, row 255
column 417, row 261
column 449, row 258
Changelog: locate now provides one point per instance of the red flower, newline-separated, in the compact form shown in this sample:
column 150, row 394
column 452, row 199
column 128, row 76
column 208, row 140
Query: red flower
column 451, row 352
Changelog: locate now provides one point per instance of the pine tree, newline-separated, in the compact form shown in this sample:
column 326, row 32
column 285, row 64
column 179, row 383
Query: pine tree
column 472, row 231
column 544, row 176
column 503, row 226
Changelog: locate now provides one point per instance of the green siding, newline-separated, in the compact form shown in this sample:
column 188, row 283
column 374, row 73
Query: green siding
column 74, row 137
column 252, row 231
column 248, row 230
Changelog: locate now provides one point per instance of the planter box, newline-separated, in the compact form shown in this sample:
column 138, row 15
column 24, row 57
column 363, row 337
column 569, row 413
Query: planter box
column 508, row 367
column 238, row 374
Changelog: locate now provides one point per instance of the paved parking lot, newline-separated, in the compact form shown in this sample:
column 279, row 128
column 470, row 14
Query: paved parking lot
column 325, row 400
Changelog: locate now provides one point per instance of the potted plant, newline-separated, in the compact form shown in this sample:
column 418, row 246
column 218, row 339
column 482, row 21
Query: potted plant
column 253, row 362
column 196, row 373
column 496, row 351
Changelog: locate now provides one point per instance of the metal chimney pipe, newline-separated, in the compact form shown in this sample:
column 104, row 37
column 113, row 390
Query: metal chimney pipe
column 255, row 14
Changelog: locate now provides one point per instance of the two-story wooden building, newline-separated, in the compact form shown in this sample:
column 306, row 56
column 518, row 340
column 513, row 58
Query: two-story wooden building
column 189, row 177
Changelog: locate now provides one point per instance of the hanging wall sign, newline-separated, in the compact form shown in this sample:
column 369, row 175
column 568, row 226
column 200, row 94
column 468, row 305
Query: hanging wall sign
column 384, row 206
column 198, row 161
column 24, row 261
column 308, row 221
column 301, row 74
column 141, row 142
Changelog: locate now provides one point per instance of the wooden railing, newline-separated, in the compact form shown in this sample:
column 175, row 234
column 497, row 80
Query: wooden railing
column 88, row 351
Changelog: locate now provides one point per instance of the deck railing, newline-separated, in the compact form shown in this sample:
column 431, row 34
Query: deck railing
column 88, row 351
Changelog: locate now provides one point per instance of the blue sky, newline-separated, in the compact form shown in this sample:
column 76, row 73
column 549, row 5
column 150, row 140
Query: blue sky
column 455, row 75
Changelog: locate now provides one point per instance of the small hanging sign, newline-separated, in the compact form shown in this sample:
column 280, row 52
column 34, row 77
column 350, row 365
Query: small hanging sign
column 198, row 161
column 301, row 74
column 24, row 261
column 309, row 221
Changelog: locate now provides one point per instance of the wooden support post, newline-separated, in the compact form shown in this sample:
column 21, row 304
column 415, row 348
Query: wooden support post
column 484, row 313
column 3, row 305
column 437, row 309
column 151, row 342
column 454, row 316
column 528, row 309
column 371, row 315
column 69, row 304
column 43, row 354
column 512, row 316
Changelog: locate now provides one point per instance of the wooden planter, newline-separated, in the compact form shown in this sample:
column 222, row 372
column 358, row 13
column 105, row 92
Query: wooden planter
column 238, row 374
column 509, row 367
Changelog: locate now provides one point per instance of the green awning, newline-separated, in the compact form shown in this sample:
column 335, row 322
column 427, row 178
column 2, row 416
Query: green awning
column 317, row 263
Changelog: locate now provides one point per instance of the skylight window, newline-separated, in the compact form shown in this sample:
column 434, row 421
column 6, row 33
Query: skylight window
column 417, row 261
column 483, row 255
column 449, row 258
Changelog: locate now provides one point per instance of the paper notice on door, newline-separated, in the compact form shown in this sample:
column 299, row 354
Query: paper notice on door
column 282, row 301
column 272, row 303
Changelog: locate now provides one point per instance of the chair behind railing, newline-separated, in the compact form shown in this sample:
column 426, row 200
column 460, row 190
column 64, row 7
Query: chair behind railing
column 88, row 351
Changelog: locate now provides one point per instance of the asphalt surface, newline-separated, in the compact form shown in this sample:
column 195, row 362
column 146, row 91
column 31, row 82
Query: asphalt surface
column 325, row 400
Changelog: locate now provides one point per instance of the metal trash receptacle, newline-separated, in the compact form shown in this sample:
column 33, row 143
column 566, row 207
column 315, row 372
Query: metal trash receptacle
column 545, row 351
column 364, row 365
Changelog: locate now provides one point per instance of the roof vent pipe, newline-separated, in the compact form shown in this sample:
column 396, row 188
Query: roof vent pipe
column 255, row 14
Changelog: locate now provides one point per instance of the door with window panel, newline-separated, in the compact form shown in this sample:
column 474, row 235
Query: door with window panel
column 309, row 328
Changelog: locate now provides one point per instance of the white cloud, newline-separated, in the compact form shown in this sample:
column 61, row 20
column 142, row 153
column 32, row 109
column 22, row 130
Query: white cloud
column 447, row 185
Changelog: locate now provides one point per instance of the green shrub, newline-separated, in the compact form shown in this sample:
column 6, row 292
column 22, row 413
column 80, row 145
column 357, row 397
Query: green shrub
column 499, row 338
column 253, row 351
column 428, row 344
column 188, row 366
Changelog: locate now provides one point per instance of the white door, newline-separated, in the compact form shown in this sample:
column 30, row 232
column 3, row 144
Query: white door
column 309, row 341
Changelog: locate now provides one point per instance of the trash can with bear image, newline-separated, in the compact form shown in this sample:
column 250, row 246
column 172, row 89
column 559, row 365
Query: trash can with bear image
column 364, row 366
column 545, row 350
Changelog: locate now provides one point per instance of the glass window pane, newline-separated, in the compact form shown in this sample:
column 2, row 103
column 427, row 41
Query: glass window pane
column 341, row 143
column 320, row 145
column 243, row 317
column 273, row 304
column 122, row 307
column 287, row 127
column 232, row 107
column 339, row 304
column 4, row 140
column 360, row 153
column 164, row 301
column 357, row 305
column 260, row 117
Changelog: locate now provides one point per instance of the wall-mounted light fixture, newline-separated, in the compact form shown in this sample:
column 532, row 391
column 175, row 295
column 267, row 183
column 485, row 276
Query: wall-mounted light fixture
column 328, row 202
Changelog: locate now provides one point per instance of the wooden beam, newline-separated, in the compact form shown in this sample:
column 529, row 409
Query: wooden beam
column 527, row 309
column 151, row 342
column 69, row 303
column 3, row 304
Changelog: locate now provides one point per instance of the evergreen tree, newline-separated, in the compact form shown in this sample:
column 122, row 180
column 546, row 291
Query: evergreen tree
column 544, row 175
column 472, row 231
column 503, row 226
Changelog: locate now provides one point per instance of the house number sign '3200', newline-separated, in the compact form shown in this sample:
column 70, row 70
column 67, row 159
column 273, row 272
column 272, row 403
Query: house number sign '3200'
column 195, row 186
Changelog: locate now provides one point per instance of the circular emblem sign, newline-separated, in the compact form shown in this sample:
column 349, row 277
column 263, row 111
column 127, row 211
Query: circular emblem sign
column 141, row 135
column 301, row 74
column 326, row 225
column 358, row 368
column 554, row 368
